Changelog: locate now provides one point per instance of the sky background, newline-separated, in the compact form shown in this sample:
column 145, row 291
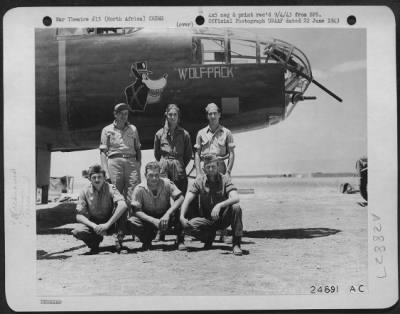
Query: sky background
column 321, row 135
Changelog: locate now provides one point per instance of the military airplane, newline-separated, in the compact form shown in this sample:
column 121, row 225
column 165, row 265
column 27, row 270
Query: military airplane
column 82, row 73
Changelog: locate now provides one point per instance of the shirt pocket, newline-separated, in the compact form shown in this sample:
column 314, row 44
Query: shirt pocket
column 205, row 142
column 221, row 141
column 130, row 140
column 112, row 138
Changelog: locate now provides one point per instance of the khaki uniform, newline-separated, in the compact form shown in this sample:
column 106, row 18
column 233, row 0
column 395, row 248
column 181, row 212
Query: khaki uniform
column 153, row 205
column 210, row 194
column 120, row 147
column 98, row 206
column 217, row 143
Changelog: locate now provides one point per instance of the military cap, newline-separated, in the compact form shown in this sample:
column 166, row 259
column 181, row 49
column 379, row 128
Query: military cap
column 120, row 107
column 211, row 106
column 208, row 158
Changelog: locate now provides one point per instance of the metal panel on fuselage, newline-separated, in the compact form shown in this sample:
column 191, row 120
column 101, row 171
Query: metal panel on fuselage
column 260, row 83
column 46, row 79
column 98, row 69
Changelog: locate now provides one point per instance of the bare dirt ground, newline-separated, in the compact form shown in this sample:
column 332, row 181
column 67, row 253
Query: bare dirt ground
column 297, row 234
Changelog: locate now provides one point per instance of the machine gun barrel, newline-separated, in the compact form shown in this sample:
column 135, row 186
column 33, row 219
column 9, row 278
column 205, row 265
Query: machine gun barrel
column 309, row 78
column 327, row 90
column 318, row 84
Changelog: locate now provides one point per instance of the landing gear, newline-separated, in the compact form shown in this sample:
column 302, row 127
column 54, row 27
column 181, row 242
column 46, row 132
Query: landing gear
column 43, row 158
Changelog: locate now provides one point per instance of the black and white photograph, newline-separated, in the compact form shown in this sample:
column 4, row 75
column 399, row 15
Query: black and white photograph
column 224, row 158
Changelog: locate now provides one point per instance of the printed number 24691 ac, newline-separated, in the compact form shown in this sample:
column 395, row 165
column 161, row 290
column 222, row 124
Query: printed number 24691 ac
column 324, row 289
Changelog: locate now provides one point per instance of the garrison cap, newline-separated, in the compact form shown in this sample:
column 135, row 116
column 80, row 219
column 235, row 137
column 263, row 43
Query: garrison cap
column 120, row 107
column 208, row 158
column 211, row 106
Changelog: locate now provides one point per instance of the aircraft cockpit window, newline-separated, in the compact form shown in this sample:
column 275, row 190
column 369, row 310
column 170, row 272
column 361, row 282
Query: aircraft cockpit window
column 243, row 51
column 208, row 51
column 92, row 31
column 266, row 48
column 213, row 51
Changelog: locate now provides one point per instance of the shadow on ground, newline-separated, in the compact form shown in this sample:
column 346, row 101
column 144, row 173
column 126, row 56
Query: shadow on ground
column 302, row 233
column 41, row 254
column 214, row 247
column 49, row 221
column 43, row 231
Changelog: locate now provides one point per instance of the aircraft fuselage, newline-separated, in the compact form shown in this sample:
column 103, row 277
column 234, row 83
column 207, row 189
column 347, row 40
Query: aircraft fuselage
column 81, row 76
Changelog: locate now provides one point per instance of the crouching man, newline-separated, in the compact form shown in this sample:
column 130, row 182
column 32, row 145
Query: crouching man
column 219, row 206
column 152, row 207
column 100, row 212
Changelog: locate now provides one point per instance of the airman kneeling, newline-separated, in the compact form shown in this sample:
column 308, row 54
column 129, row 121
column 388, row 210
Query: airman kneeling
column 219, row 206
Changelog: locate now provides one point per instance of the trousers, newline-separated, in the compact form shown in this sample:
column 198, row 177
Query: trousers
column 92, row 239
column 125, row 175
column 146, row 231
column 205, row 229
column 174, row 170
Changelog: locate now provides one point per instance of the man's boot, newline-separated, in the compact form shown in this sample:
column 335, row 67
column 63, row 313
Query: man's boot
column 221, row 235
column 160, row 236
column 119, row 247
column 93, row 250
column 180, row 240
column 208, row 242
column 236, row 241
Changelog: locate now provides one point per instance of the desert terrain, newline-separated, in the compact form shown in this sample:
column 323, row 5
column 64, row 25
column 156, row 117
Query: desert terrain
column 298, row 233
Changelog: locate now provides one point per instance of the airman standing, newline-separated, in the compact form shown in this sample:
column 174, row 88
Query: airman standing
column 120, row 153
column 173, row 148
